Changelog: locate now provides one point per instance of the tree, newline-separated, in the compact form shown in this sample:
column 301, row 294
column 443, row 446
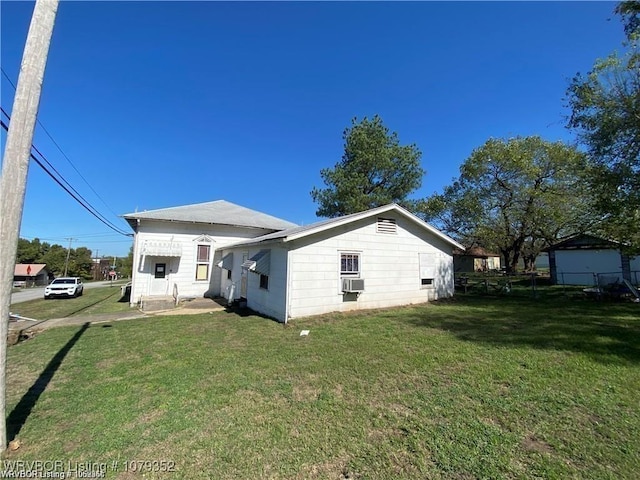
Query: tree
column 515, row 195
column 125, row 265
column 375, row 170
column 605, row 114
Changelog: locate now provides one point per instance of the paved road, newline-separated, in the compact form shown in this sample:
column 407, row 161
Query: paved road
column 38, row 292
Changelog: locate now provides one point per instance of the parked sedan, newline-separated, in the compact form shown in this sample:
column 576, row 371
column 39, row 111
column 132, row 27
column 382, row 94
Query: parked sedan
column 64, row 287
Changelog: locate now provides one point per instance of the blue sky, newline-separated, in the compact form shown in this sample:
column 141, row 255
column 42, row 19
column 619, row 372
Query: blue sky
column 160, row 104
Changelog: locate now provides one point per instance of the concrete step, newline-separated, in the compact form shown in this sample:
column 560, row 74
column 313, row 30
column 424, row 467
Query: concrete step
column 155, row 303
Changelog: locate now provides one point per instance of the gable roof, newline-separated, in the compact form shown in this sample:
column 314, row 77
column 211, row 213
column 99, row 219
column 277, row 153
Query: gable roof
column 584, row 242
column 218, row 212
column 314, row 228
column 20, row 269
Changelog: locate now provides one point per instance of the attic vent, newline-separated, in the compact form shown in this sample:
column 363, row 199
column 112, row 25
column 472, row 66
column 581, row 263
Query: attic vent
column 387, row 225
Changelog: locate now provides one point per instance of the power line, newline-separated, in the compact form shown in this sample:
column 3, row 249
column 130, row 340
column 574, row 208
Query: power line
column 62, row 152
column 83, row 202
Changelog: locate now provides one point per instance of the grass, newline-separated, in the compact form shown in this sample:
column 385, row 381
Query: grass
column 475, row 387
column 93, row 301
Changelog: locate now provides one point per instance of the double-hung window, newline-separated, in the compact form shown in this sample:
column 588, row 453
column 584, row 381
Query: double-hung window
column 203, row 257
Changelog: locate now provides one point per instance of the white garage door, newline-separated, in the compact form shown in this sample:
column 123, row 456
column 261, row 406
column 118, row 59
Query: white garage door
column 577, row 267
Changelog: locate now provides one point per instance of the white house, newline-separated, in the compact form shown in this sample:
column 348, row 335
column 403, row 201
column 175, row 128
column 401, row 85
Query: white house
column 378, row 258
column 175, row 249
column 583, row 259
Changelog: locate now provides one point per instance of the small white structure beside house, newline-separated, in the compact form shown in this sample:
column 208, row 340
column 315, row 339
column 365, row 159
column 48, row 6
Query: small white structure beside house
column 378, row 258
column 583, row 259
column 175, row 250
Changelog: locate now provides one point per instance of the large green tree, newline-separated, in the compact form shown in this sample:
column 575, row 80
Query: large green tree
column 375, row 170
column 515, row 196
column 605, row 114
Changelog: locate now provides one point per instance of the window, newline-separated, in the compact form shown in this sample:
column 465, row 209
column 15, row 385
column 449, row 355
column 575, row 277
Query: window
column 228, row 274
column 264, row 281
column 349, row 264
column 160, row 270
column 202, row 262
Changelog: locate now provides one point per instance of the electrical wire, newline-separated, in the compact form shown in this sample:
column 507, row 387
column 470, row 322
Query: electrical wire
column 81, row 200
column 62, row 152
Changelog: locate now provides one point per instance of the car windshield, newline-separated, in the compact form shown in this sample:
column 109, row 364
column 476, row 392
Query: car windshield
column 58, row 281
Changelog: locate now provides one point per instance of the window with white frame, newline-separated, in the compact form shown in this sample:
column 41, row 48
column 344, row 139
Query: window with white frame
column 350, row 265
column 203, row 257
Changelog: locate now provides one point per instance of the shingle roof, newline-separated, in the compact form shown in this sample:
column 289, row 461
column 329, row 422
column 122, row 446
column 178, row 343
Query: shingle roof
column 298, row 232
column 217, row 212
column 475, row 252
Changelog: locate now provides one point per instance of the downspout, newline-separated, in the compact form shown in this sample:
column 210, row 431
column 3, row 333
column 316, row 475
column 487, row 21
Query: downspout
column 287, row 307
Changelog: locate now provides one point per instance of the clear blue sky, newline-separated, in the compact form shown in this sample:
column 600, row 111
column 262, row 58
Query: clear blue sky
column 161, row 104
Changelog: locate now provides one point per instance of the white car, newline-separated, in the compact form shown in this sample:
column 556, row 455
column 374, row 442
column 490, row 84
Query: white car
column 64, row 287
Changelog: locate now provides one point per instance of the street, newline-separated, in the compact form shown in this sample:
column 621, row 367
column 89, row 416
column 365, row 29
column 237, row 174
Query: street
column 38, row 292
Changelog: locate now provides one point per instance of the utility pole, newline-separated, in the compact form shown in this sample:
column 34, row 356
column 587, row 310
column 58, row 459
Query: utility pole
column 96, row 267
column 15, row 166
column 66, row 262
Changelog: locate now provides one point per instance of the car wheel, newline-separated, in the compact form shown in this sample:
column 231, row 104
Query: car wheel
column 81, row 292
column 47, row 297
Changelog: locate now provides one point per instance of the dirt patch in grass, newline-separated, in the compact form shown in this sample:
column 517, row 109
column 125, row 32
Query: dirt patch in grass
column 334, row 468
column 531, row 443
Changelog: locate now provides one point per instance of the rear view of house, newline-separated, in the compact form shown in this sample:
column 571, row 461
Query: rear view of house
column 378, row 258
column 382, row 257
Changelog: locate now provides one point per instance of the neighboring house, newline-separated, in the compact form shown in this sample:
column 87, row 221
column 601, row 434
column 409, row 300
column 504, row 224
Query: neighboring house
column 30, row 274
column 175, row 249
column 378, row 258
column 475, row 259
column 582, row 259
column 100, row 268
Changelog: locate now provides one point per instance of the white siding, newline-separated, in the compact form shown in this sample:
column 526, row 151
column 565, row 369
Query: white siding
column 389, row 265
column 182, row 270
column 577, row 267
column 271, row 301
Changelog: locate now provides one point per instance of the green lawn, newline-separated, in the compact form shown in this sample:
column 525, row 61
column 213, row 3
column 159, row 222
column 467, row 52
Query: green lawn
column 94, row 300
column 476, row 387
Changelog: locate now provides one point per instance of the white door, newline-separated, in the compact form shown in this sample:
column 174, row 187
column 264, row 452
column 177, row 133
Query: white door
column 160, row 277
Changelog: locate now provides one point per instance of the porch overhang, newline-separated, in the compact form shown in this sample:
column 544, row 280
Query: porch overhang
column 260, row 263
column 226, row 262
column 154, row 248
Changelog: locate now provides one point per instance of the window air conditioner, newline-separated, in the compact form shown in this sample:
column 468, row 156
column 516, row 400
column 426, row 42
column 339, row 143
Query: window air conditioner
column 353, row 285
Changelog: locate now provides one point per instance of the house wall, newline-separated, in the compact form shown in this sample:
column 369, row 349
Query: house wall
column 270, row 301
column 390, row 267
column 182, row 270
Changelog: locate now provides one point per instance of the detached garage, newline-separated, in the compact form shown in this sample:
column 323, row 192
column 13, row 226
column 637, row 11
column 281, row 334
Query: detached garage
column 584, row 259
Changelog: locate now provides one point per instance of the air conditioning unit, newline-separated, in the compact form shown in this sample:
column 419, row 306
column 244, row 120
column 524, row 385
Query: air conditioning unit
column 352, row 285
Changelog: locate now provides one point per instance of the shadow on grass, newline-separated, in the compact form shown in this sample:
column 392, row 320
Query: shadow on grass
column 606, row 331
column 22, row 410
